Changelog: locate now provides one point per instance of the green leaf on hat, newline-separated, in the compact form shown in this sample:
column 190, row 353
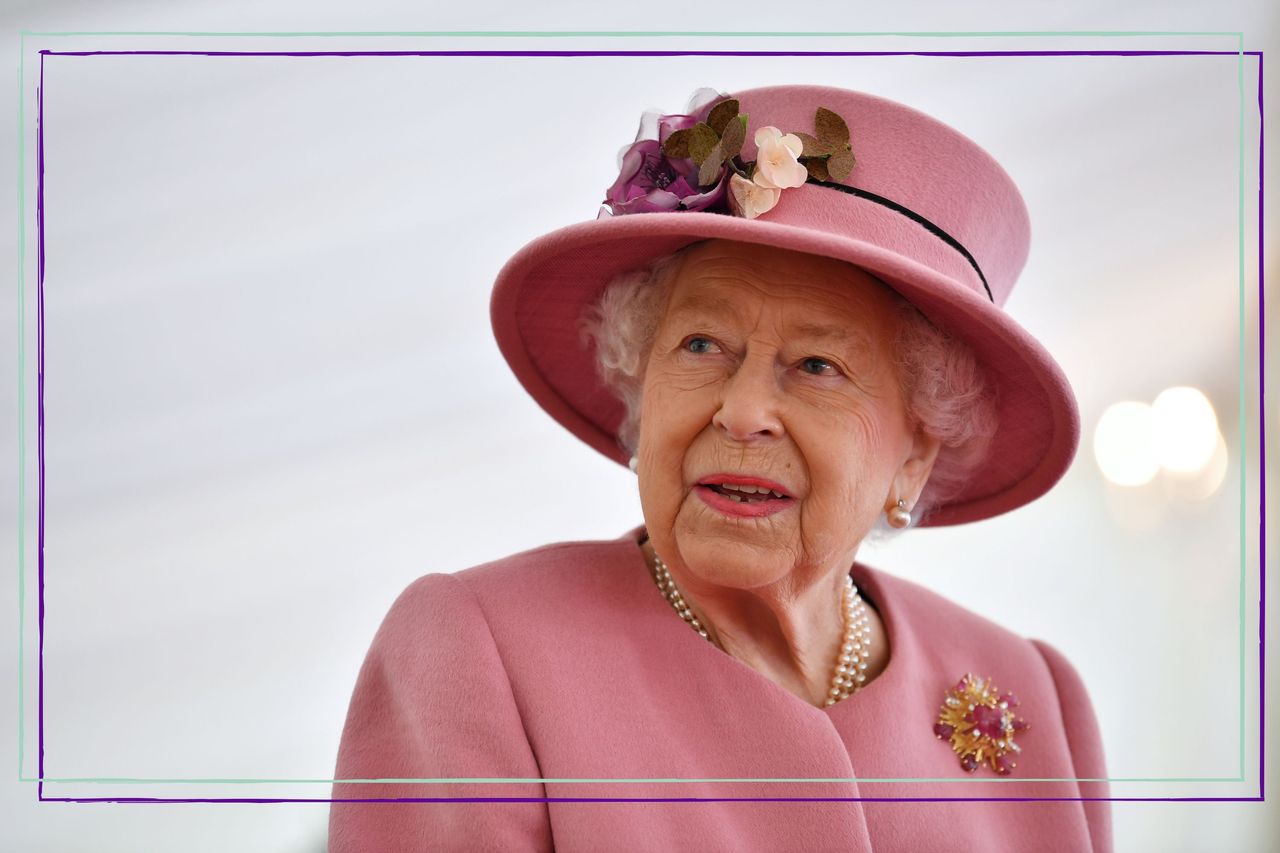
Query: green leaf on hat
column 677, row 145
column 709, row 171
column 720, row 115
column 840, row 164
column 701, row 140
column 731, row 139
column 817, row 169
column 812, row 147
column 832, row 131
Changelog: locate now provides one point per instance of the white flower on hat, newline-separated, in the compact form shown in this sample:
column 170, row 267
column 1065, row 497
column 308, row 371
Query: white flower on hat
column 777, row 166
column 748, row 199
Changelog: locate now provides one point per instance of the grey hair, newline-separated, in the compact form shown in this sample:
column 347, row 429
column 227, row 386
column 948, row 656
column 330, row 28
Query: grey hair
column 943, row 387
column 623, row 323
column 947, row 396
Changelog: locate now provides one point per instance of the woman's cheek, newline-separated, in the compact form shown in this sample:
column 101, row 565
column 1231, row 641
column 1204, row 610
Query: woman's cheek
column 702, row 375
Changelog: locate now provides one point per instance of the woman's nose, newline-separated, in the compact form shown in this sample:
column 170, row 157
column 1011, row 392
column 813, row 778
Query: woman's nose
column 749, row 402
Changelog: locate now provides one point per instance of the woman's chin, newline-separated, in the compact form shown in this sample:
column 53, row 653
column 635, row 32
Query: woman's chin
column 742, row 557
column 708, row 514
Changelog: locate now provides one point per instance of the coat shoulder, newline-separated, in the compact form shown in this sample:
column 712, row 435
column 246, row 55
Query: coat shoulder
column 934, row 618
column 564, row 571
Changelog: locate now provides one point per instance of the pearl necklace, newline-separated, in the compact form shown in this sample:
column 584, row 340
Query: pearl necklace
column 855, row 652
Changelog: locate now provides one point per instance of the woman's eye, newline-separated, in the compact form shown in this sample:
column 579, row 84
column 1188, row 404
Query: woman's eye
column 700, row 345
column 818, row 366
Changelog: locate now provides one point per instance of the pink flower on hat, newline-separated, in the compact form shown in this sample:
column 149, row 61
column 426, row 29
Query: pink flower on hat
column 748, row 199
column 777, row 163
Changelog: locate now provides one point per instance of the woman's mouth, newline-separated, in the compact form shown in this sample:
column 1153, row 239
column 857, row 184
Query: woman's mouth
column 743, row 499
column 745, row 493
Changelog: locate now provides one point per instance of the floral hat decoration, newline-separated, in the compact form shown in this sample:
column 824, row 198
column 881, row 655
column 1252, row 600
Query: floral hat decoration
column 828, row 172
column 692, row 163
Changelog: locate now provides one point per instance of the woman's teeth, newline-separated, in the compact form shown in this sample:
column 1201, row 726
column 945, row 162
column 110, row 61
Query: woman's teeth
column 742, row 494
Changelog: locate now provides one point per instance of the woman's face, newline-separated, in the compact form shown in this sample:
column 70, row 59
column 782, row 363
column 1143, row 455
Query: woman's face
column 771, row 372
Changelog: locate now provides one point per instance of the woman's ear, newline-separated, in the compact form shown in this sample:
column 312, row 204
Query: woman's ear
column 914, row 473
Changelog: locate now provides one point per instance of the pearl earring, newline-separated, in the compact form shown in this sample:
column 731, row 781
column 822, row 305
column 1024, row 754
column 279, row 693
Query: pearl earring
column 898, row 515
column 634, row 463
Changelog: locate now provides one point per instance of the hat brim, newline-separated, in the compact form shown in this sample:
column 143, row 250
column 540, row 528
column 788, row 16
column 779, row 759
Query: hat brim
column 542, row 293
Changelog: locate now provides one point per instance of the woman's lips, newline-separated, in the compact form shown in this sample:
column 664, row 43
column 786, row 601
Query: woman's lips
column 741, row 505
column 745, row 482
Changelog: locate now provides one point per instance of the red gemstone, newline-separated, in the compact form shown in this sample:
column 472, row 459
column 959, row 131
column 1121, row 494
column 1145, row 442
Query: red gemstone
column 1010, row 700
column 969, row 763
column 961, row 685
column 1019, row 725
column 988, row 721
column 943, row 730
column 1003, row 766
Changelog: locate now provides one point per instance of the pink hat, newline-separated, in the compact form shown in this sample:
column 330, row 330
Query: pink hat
column 924, row 210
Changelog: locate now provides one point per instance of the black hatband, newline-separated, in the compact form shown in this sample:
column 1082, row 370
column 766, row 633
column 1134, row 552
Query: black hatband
column 912, row 215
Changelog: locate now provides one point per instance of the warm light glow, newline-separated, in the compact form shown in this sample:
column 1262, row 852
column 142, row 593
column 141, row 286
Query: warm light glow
column 1186, row 429
column 1204, row 483
column 1124, row 444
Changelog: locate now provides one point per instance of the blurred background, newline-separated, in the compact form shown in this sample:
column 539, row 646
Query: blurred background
column 272, row 398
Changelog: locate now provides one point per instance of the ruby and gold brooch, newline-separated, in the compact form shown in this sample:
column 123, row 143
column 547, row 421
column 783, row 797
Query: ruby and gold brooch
column 979, row 722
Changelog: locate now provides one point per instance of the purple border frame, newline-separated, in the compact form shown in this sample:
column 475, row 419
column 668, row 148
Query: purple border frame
column 40, row 273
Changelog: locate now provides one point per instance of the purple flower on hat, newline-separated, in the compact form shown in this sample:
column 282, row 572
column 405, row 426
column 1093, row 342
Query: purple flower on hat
column 651, row 182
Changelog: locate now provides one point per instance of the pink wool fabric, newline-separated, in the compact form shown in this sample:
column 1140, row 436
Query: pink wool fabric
column 902, row 155
column 567, row 663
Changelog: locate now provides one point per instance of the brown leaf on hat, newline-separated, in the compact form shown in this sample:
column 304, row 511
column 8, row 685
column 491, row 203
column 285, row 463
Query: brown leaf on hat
column 709, row 171
column 840, row 164
column 812, row 147
column 720, row 114
column 817, row 167
column 732, row 137
column 832, row 131
column 677, row 145
column 702, row 139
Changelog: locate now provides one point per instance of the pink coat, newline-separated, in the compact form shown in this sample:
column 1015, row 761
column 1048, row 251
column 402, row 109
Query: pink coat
column 567, row 663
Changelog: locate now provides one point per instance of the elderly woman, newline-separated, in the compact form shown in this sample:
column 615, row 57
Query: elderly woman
column 789, row 325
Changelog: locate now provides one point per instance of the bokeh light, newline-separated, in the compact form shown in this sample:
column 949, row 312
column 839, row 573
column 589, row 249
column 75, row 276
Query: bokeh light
column 1186, row 429
column 1204, row 483
column 1124, row 444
